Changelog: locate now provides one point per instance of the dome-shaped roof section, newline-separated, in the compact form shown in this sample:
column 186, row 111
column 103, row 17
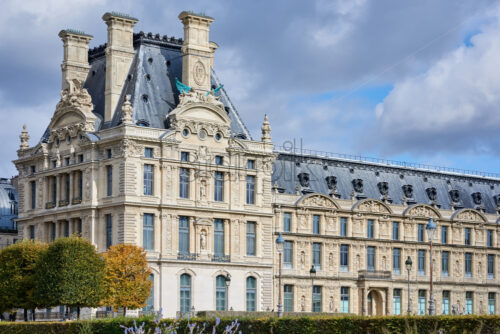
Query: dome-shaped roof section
column 8, row 203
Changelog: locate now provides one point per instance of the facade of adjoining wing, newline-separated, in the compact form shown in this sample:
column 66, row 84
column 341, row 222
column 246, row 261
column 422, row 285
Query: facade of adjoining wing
column 133, row 156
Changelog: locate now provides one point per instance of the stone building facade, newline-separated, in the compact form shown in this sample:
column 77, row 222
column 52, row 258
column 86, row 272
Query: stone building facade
column 134, row 155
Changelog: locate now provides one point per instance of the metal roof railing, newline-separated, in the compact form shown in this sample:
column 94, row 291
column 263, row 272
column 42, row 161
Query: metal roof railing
column 382, row 162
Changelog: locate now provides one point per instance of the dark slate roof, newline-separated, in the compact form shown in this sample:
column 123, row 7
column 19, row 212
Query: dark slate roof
column 288, row 166
column 151, row 83
column 8, row 204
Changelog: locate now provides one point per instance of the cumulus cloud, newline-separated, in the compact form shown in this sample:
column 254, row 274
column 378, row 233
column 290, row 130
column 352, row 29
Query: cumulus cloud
column 452, row 107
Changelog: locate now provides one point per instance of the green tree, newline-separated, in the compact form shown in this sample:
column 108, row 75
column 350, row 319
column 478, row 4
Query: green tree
column 126, row 279
column 17, row 276
column 70, row 273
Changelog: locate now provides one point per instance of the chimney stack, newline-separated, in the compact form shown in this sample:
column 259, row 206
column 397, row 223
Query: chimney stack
column 75, row 63
column 197, row 51
column 119, row 55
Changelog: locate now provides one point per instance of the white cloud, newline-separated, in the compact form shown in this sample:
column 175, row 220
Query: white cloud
column 453, row 106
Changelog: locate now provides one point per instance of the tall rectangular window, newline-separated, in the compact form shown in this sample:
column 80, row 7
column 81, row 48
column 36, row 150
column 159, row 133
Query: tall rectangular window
column 370, row 258
column 422, row 301
column 343, row 226
column 491, row 303
column 468, row 264
column 288, row 254
column 250, row 189
column 288, row 298
column 316, row 299
column 53, row 232
column 184, row 183
column 446, row 302
column 54, row 189
column 445, row 263
column 148, row 179
column 32, row 232
column 218, row 237
column 185, row 156
column 396, row 302
column 250, row 164
column 444, row 234
column 66, row 188
column 315, row 224
column 218, row 186
column 317, row 255
column 148, row 231
column 420, row 233
column 344, row 258
column 80, row 185
column 183, row 234
column 148, row 152
column 109, row 180
column 421, row 262
column 467, row 236
column 109, row 231
column 109, row 153
column 396, row 261
column 395, row 231
column 33, row 194
column 219, row 160
column 489, row 238
column 344, row 299
column 369, row 228
column 287, row 219
column 251, row 238
column 491, row 265
column 66, row 229
column 469, row 301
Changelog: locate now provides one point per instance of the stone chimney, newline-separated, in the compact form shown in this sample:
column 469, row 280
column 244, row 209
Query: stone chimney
column 119, row 55
column 75, row 63
column 197, row 51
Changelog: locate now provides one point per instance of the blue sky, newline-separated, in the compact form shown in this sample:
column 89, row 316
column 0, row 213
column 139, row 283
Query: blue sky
column 414, row 81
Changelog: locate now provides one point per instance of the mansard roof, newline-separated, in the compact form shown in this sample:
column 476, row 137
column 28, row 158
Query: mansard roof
column 348, row 178
column 151, row 84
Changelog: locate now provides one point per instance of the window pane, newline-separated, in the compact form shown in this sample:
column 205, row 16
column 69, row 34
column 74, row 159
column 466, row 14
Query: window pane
column 148, row 232
column 218, row 237
column 184, row 183
column 251, row 294
column 287, row 254
column 421, row 232
column 250, row 189
column 395, row 231
column 286, row 222
column 468, row 302
column 343, row 226
column 317, row 255
column 219, row 187
column 148, row 179
column 288, row 298
column 446, row 302
column 220, row 293
column 344, row 257
column 396, row 261
column 185, row 293
column 422, row 302
column 251, row 238
column 109, row 231
column 183, row 234
column 445, row 263
column 421, row 262
column 316, row 299
column 344, row 299
column 396, row 302
column 109, row 172
column 370, row 258
column 369, row 227
column 316, row 224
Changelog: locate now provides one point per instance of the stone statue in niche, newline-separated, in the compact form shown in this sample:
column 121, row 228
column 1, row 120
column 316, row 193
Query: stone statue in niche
column 203, row 189
column 384, row 263
column 304, row 179
column 303, row 303
column 479, row 269
column 457, row 268
column 330, row 260
column 302, row 259
column 358, row 262
column 203, row 240
column 330, row 305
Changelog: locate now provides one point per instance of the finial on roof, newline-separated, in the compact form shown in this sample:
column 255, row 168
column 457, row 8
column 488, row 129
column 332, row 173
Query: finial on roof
column 127, row 111
column 24, row 136
column 266, row 130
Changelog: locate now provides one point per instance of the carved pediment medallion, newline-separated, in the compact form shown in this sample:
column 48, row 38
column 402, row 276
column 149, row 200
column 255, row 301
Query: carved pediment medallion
column 421, row 210
column 469, row 215
column 370, row 205
column 316, row 200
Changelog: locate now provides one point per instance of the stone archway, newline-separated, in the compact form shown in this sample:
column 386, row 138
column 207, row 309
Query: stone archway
column 375, row 303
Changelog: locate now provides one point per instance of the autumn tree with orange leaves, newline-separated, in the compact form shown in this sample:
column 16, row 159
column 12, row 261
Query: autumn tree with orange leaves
column 126, row 277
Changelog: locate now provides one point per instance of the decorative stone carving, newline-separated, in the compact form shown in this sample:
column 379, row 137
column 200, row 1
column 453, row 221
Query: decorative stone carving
column 127, row 111
column 372, row 206
column 331, row 182
column 468, row 215
column 203, row 240
column 420, row 210
column 303, row 179
column 266, row 130
column 383, row 188
column 318, row 201
column 194, row 96
column 454, row 196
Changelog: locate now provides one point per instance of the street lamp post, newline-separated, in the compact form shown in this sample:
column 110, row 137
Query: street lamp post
column 312, row 273
column 228, row 282
column 408, row 264
column 431, row 229
column 279, row 247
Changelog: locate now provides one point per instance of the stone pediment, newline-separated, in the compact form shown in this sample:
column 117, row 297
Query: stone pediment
column 469, row 215
column 421, row 210
column 317, row 200
column 372, row 205
column 73, row 113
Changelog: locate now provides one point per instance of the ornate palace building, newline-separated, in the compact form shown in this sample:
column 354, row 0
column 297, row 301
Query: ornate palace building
column 145, row 147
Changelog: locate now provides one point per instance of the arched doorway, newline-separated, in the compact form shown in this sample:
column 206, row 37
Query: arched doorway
column 375, row 303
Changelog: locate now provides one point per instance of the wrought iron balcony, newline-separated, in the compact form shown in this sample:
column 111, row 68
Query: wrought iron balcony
column 50, row 205
column 374, row 274
column 76, row 200
column 187, row 256
column 220, row 258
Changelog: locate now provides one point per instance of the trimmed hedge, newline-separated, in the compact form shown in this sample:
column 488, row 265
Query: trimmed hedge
column 287, row 325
